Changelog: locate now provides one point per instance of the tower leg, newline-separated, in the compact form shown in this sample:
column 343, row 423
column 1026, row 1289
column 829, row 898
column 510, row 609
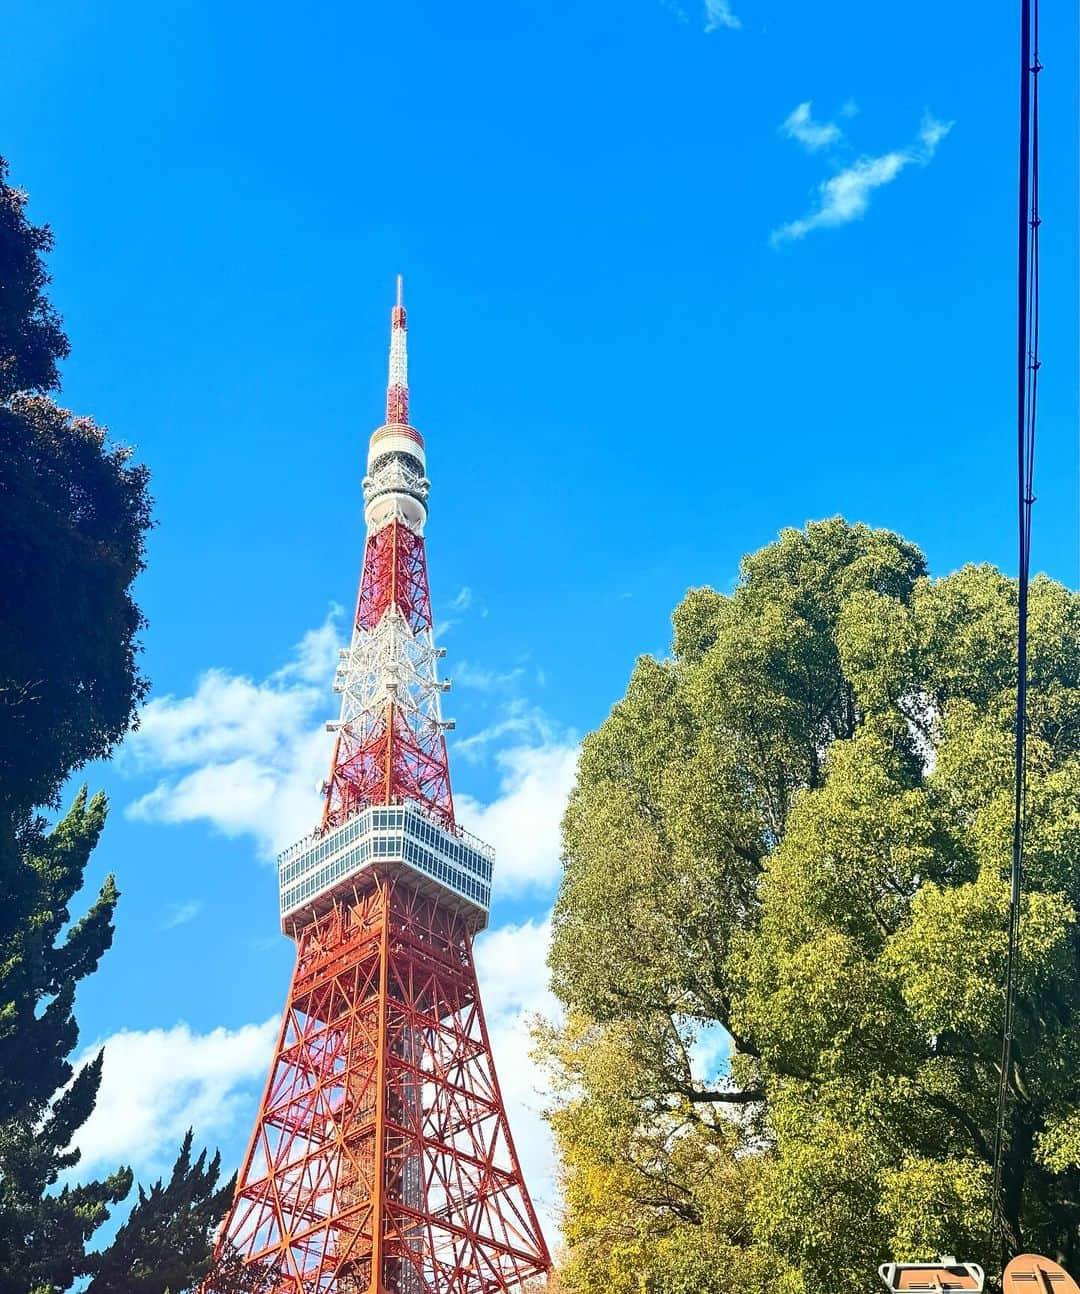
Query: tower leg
column 382, row 1161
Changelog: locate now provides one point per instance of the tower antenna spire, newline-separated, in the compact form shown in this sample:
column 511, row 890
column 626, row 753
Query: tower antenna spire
column 382, row 1160
column 397, row 386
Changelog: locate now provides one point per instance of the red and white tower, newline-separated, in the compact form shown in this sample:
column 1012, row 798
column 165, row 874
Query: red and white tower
column 382, row 1160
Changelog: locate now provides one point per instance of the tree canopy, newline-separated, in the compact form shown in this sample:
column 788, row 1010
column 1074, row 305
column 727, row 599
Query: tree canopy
column 32, row 339
column 74, row 511
column 74, row 514
column 163, row 1243
column 790, row 842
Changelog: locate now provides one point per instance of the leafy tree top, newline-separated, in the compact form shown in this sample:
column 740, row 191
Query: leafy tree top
column 794, row 835
column 73, row 515
column 31, row 337
column 74, row 512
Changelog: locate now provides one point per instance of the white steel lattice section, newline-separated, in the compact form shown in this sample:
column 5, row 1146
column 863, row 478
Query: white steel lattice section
column 389, row 664
column 399, row 361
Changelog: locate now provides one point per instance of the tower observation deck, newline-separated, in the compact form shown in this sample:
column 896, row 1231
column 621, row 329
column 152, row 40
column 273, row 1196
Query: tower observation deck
column 390, row 748
column 382, row 1161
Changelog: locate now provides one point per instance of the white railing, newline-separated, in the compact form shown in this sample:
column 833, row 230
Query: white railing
column 401, row 835
column 458, row 833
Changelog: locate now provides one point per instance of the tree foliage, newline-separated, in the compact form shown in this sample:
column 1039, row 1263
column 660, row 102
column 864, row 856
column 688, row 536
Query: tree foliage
column 73, row 515
column 31, row 337
column 163, row 1243
column 47, row 1219
column 793, row 835
column 40, row 874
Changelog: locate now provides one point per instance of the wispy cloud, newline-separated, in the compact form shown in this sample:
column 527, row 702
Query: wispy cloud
column 476, row 677
column 519, row 722
column 931, row 133
column 813, row 135
column 718, row 14
column 511, row 965
column 845, row 197
column 180, row 914
column 456, row 608
column 245, row 757
column 523, row 820
column 156, row 1083
column 241, row 755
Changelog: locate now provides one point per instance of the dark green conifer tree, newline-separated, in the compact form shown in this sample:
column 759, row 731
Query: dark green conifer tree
column 162, row 1245
column 43, row 1233
column 74, row 512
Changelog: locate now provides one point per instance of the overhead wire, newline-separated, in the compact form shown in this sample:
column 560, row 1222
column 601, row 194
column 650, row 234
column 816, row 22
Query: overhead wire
column 1027, row 375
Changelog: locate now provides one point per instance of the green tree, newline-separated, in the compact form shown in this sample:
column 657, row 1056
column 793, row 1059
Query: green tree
column 162, row 1245
column 794, row 835
column 43, row 1232
column 74, row 512
column 74, row 516
column 31, row 337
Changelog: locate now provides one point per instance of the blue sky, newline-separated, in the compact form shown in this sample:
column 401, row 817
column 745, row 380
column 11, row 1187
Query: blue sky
column 678, row 275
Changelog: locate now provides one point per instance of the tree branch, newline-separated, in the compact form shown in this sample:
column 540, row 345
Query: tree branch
column 729, row 1096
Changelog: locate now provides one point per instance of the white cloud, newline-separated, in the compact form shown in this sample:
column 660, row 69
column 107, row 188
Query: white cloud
column 511, row 962
column 814, row 135
column 244, row 756
column 846, row 196
column 527, row 724
column 461, row 602
column 514, row 986
column 523, row 822
column 466, row 674
column 315, row 657
column 181, row 913
column 227, row 714
column 931, row 133
column 718, row 14
column 157, row 1083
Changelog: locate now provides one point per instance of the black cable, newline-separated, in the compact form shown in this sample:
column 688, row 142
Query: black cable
column 1026, row 395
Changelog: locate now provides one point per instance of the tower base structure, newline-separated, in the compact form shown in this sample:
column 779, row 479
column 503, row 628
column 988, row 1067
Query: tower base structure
column 382, row 1160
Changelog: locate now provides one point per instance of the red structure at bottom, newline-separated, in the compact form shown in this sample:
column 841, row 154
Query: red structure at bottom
column 382, row 1160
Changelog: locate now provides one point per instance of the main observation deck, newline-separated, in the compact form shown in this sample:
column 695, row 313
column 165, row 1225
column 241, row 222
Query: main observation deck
column 450, row 865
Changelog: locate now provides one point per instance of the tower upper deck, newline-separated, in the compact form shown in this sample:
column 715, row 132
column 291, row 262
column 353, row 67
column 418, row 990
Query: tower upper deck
column 389, row 805
column 452, row 866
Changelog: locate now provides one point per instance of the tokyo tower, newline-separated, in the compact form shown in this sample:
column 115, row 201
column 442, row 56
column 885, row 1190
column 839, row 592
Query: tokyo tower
column 381, row 1160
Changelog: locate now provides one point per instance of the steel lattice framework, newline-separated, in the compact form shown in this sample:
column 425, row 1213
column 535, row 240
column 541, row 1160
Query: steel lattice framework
column 390, row 747
column 381, row 1160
